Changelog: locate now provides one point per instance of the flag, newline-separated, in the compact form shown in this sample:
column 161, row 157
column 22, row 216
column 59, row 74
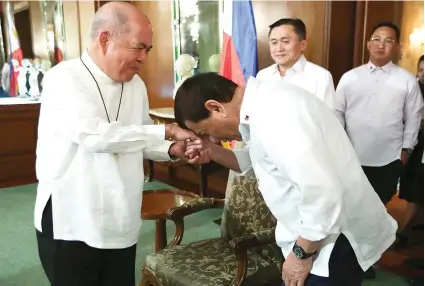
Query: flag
column 14, row 48
column 58, row 28
column 239, row 58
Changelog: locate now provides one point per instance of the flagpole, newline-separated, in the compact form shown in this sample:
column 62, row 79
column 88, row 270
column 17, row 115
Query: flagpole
column 11, row 70
column 220, row 23
column 15, row 52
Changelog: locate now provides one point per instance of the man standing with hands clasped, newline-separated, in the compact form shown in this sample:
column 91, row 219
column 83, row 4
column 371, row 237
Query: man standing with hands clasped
column 94, row 132
column 331, row 225
column 287, row 42
column 379, row 104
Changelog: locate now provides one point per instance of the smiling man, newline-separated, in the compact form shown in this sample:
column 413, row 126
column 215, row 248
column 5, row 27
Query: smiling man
column 379, row 104
column 94, row 132
column 331, row 224
column 288, row 41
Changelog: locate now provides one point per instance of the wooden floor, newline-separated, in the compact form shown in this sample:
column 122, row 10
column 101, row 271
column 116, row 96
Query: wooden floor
column 185, row 178
column 393, row 259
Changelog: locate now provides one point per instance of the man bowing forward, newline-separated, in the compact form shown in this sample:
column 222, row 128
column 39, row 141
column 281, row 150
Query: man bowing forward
column 331, row 225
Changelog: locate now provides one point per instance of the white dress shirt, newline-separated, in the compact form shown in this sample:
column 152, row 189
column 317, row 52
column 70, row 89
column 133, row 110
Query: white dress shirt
column 309, row 174
column 95, row 198
column 306, row 75
column 380, row 109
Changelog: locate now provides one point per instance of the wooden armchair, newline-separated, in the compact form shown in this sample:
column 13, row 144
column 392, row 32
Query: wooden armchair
column 245, row 254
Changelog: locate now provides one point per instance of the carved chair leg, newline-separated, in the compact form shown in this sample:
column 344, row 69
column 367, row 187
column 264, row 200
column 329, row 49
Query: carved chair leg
column 144, row 281
column 179, row 232
column 149, row 175
column 160, row 234
column 171, row 173
column 242, row 258
column 149, row 278
column 203, row 180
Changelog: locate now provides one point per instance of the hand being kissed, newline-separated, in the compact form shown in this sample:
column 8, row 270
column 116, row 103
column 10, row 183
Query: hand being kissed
column 198, row 151
column 193, row 151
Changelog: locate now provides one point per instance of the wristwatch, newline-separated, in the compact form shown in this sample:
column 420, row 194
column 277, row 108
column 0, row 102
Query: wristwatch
column 408, row 151
column 300, row 253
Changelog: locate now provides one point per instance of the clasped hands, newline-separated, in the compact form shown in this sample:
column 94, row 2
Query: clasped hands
column 191, row 148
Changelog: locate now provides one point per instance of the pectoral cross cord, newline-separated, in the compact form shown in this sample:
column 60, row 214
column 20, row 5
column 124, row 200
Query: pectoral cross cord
column 116, row 155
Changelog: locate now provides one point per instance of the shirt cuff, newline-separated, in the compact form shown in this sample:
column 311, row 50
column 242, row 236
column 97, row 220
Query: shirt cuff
column 159, row 152
column 315, row 231
column 408, row 146
column 311, row 235
column 244, row 161
column 157, row 131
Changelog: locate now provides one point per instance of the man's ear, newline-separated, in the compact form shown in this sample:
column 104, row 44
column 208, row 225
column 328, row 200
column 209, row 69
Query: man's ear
column 397, row 48
column 368, row 44
column 103, row 40
column 214, row 106
column 303, row 45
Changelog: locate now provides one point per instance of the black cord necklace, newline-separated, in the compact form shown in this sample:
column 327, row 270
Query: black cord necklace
column 101, row 96
column 116, row 156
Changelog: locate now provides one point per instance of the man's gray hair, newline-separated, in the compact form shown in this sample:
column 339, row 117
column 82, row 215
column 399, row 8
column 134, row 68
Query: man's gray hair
column 111, row 20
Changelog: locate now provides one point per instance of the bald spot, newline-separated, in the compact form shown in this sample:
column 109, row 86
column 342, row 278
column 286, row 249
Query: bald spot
column 115, row 17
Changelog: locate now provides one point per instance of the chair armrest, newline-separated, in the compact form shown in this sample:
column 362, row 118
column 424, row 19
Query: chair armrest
column 255, row 239
column 243, row 243
column 174, row 205
column 177, row 214
column 194, row 207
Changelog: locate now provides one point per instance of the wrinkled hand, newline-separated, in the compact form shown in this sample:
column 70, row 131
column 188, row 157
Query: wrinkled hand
column 198, row 151
column 295, row 271
column 191, row 152
column 179, row 134
column 178, row 149
column 404, row 158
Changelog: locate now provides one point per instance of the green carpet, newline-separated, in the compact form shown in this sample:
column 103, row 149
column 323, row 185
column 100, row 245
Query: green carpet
column 19, row 262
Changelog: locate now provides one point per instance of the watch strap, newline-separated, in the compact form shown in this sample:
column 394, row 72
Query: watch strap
column 300, row 252
column 308, row 255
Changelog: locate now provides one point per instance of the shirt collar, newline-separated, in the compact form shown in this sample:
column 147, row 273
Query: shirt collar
column 98, row 74
column 386, row 69
column 297, row 67
column 248, row 98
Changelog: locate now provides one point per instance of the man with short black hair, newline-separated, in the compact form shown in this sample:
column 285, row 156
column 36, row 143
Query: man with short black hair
column 379, row 104
column 288, row 41
column 331, row 225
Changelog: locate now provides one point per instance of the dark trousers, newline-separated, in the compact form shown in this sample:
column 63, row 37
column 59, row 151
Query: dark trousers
column 384, row 179
column 344, row 269
column 74, row 263
column 412, row 179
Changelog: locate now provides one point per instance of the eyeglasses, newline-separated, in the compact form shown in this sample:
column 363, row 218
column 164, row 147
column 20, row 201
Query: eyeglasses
column 386, row 41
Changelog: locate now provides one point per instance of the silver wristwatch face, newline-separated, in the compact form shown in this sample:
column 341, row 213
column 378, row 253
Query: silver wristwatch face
column 298, row 252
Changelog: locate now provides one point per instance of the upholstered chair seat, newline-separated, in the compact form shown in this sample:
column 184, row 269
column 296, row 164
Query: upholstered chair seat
column 245, row 254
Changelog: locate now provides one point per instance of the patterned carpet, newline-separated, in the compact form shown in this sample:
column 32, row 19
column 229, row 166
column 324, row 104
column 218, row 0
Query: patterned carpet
column 19, row 263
